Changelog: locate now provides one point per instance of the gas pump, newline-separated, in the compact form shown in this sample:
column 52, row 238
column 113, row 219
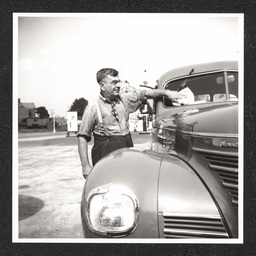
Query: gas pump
column 72, row 124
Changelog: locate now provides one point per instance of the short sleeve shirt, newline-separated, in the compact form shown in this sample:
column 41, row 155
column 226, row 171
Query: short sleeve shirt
column 129, row 103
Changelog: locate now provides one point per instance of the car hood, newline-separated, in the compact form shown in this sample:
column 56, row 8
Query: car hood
column 210, row 119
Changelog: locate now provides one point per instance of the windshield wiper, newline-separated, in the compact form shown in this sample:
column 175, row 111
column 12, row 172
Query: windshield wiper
column 185, row 81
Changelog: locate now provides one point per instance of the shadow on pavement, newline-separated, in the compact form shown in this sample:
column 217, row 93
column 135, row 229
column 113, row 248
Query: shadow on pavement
column 29, row 206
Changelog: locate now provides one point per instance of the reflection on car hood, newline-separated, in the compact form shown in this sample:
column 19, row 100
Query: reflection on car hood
column 220, row 119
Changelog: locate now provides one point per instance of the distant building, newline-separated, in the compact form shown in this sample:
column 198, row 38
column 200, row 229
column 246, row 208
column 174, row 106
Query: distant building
column 26, row 110
column 60, row 120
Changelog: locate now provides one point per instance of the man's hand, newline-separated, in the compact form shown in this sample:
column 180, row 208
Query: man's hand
column 174, row 96
column 86, row 170
column 171, row 95
column 83, row 153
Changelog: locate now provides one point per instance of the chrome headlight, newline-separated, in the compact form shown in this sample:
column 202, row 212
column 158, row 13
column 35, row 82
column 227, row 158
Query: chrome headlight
column 112, row 211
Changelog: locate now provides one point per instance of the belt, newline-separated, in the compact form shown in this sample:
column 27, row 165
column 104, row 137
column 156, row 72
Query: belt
column 112, row 137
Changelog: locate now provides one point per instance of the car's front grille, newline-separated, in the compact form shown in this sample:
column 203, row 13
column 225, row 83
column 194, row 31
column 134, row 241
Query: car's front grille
column 161, row 139
column 226, row 165
column 178, row 226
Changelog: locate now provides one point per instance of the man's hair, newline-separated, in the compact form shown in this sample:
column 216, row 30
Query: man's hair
column 101, row 74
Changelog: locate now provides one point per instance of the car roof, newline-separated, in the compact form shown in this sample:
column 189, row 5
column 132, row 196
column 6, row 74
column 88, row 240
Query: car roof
column 198, row 68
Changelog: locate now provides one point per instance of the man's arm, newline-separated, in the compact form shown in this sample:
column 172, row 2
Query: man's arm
column 172, row 95
column 83, row 153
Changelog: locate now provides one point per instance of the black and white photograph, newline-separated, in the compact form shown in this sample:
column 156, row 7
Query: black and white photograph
column 128, row 128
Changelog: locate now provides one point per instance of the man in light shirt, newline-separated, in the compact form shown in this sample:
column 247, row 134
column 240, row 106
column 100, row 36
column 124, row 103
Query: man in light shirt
column 108, row 117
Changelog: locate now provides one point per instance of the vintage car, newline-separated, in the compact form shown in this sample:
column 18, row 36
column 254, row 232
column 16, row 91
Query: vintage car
column 186, row 184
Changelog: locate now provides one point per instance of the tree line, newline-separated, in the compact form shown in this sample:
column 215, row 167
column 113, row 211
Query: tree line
column 77, row 105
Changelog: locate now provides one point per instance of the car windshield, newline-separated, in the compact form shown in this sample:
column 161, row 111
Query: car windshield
column 205, row 88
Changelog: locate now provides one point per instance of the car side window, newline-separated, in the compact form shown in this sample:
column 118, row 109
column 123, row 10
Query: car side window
column 206, row 88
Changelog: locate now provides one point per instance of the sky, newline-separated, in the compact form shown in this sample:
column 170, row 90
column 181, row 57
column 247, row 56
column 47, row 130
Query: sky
column 57, row 56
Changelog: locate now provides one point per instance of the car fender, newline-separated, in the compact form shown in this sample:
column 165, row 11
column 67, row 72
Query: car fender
column 138, row 172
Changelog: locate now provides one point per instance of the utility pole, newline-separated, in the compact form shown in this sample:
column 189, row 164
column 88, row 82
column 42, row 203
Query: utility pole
column 53, row 117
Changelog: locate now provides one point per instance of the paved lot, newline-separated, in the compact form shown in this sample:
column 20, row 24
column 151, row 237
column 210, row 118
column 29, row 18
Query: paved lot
column 50, row 184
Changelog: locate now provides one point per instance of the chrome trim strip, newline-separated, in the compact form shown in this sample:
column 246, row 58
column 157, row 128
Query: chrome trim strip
column 229, row 185
column 208, row 134
column 196, row 233
column 194, row 226
column 188, row 215
column 222, row 168
column 204, row 134
column 211, row 152
column 234, row 201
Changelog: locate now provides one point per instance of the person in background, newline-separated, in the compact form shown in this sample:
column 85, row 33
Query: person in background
column 107, row 118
